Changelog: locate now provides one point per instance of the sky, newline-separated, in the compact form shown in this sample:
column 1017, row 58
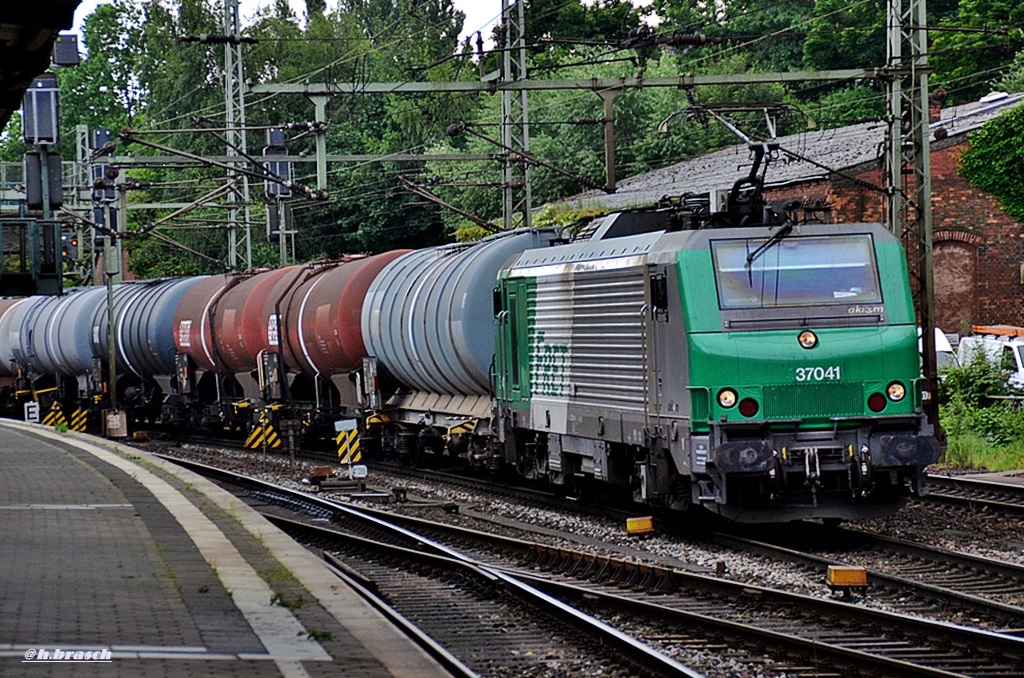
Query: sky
column 480, row 14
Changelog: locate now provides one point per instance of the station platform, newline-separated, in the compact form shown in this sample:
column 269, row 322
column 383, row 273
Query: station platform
column 1004, row 477
column 128, row 565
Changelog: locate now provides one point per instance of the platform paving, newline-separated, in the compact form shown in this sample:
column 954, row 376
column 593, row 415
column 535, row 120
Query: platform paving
column 103, row 547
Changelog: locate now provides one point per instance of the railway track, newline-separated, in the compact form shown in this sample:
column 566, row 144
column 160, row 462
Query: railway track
column 924, row 580
column 494, row 622
column 975, row 493
column 909, row 577
column 852, row 638
column 912, row 577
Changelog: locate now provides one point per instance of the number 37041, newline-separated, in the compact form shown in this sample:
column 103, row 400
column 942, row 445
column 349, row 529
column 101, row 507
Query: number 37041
column 818, row 373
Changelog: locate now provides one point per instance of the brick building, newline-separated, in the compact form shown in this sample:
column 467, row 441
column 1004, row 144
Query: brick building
column 979, row 249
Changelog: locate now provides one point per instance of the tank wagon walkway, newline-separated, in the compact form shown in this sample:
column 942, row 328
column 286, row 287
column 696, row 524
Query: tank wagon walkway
column 155, row 571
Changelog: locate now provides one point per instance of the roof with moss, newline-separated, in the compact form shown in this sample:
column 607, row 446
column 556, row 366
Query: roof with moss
column 838, row 149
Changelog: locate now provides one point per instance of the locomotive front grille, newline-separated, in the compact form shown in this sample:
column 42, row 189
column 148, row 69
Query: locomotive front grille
column 701, row 402
column 813, row 400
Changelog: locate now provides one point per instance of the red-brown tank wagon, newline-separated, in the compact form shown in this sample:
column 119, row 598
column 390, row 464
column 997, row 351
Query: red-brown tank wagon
column 324, row 337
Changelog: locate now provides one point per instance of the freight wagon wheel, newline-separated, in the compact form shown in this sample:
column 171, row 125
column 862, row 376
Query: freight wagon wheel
column 476, row 450
column 389, row 442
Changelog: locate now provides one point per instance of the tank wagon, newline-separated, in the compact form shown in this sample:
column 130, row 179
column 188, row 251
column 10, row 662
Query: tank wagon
column 737, row 361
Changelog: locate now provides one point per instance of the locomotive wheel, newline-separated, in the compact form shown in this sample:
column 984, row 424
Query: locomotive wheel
column 532, row 462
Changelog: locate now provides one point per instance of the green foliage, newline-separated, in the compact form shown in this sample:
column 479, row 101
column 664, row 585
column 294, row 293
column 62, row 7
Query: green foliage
column 471, row 233
column 982, row 431
column 967, row 62
column 972, row 451
column 995, row 160
column 770, row 35
column 849, row 105
column 999, row 424
column 1013, row 80
column 565, row 216
column 974, row 382
column 12, row 148
column 841, row 34
column 138, row 74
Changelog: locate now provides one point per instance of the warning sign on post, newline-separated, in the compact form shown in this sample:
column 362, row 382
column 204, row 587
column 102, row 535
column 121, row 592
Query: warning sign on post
column 32, row 412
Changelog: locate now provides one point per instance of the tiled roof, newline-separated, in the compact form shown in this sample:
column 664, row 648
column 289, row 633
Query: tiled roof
column 838, row 149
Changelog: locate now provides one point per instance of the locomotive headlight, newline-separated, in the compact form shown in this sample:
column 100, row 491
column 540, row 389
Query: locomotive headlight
column 808, row 339
column 896, row 391
column 727, row 397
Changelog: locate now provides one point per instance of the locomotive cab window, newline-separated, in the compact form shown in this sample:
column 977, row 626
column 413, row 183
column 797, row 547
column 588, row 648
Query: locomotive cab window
column 796, row 272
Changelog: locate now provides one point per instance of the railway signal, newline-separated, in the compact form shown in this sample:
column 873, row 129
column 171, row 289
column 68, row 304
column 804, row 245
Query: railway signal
column 68, row 249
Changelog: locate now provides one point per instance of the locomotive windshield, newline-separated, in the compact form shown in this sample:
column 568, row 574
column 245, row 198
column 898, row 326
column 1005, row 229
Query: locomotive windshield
column 796, row 271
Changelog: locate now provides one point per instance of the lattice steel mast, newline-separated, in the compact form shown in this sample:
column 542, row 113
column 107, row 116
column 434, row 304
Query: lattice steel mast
column 515, row 132
column 239, row 235
column 908, row 169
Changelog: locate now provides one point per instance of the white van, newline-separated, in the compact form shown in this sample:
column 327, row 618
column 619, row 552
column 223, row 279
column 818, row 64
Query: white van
column 945, row 356
column 1001, row 344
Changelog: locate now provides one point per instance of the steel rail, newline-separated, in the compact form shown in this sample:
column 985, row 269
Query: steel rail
column 638, row 652
column 897, row 584
column 532, row 585
column 965, row 491
column 952, row 635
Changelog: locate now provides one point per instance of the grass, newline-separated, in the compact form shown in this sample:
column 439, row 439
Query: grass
column 281, row 574
column 289, row 603
column 313, row 634
column 970, row 450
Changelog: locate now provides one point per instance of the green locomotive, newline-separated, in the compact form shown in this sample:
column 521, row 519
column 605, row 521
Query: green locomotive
column 766, row 373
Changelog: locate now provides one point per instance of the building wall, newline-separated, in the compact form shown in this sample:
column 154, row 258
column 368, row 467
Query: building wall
column 979, row 249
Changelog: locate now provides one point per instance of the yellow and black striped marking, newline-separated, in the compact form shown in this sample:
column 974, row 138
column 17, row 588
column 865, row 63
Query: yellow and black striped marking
column 263, row 434
column 463, row 427
column 78, row 418
column 348, row 447
column 55, row 416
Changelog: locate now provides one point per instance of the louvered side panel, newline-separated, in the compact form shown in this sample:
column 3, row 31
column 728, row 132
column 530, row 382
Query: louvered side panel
column 550, row 327
column 607, row 356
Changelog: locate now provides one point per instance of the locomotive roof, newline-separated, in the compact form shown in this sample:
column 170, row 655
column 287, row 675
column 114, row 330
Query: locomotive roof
column 841, row 148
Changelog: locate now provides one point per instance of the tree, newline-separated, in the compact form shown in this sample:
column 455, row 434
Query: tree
column 968, row 61
column 845, row 35
column 995, row 160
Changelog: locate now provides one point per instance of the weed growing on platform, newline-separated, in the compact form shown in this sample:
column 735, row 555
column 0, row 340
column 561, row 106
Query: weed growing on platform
column 278, row 599
column 281, row 574
column 313, row 634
